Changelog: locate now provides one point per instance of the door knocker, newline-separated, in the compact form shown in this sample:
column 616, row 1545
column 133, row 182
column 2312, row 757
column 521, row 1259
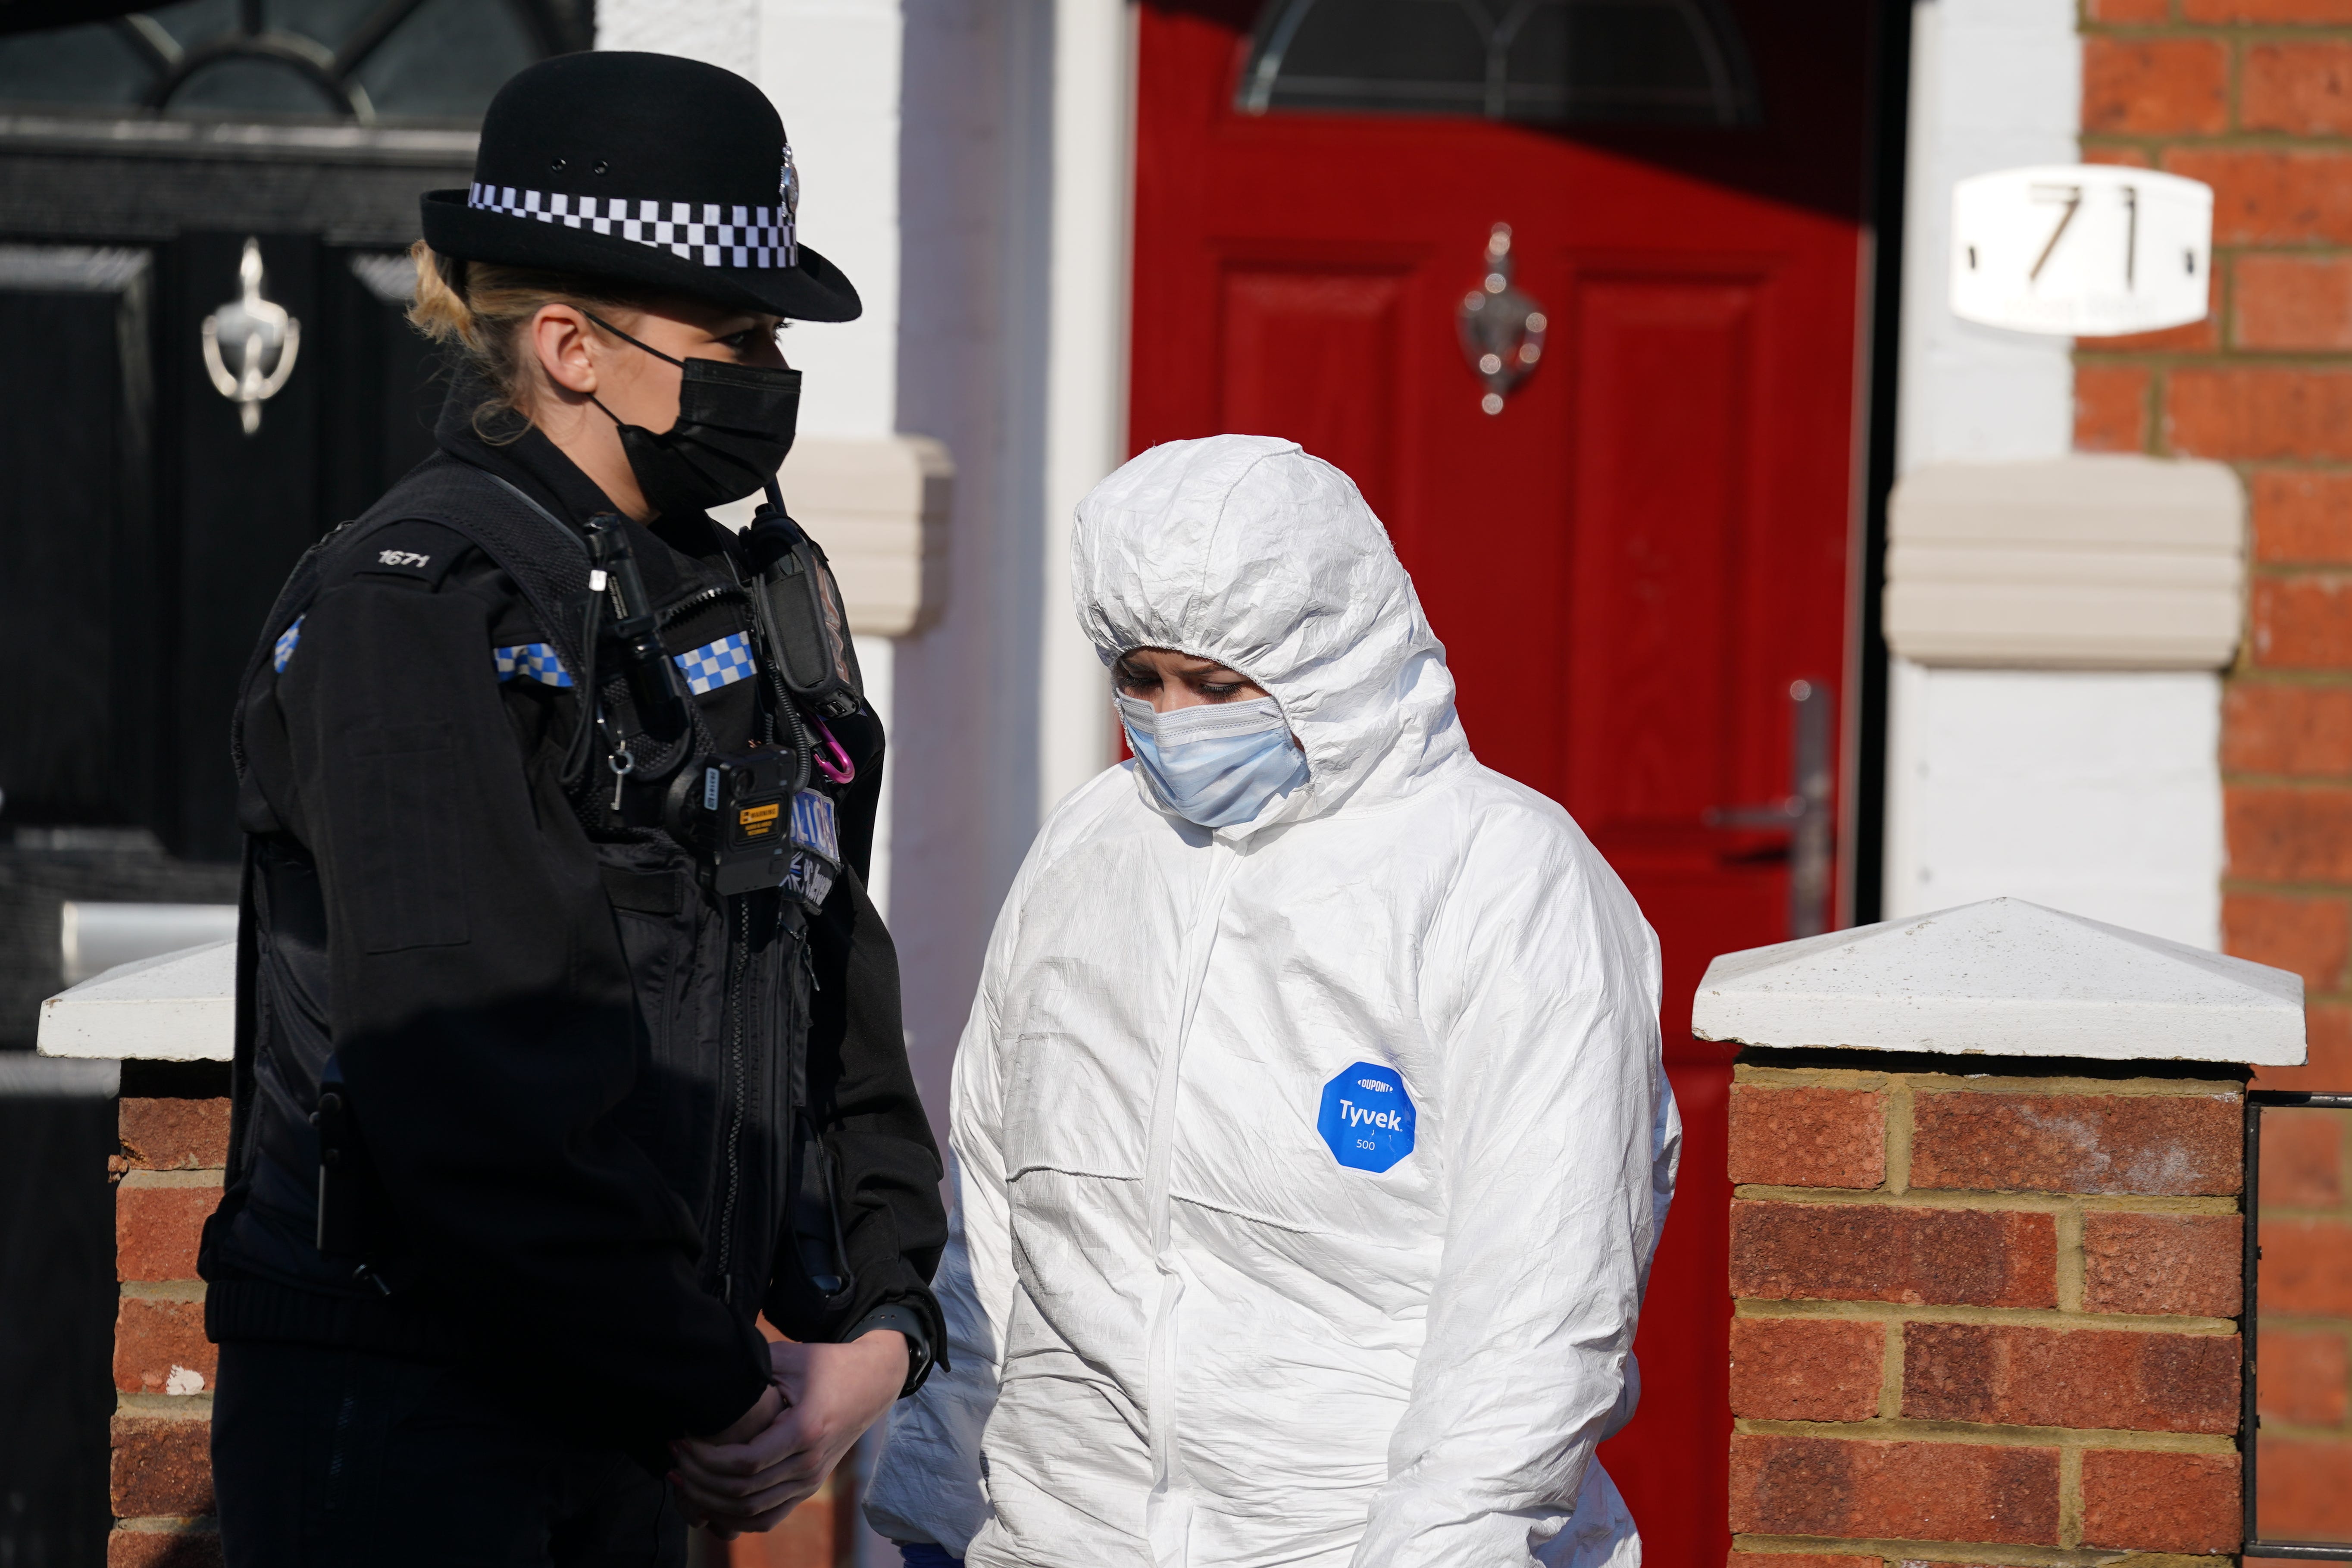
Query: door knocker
column 254, row 335
column 1502, row 326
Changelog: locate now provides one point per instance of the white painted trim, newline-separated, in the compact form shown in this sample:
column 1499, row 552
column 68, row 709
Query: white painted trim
column 2078, row 563
column 1087, row 359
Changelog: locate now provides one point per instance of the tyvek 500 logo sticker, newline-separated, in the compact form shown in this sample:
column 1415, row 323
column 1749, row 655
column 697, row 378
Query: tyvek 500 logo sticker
column 1367, row 1118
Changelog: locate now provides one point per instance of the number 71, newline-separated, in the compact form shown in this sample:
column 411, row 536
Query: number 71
column 2072, row 196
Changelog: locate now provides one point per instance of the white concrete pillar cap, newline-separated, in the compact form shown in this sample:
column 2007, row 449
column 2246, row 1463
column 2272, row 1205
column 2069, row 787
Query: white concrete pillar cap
column 2007, row 978
column 177, row 1008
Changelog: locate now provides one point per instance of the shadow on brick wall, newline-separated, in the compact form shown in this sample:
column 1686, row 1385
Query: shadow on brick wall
column 56, row 1320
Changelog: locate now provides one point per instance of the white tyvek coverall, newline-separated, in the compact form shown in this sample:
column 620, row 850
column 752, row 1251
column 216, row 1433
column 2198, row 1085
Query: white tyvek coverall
column 1181, row 1331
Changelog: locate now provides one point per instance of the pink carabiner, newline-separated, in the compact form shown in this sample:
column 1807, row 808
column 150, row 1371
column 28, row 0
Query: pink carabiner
column 841, row 772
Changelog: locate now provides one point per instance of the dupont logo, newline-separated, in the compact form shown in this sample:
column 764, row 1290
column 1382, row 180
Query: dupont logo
column 1367, row 1117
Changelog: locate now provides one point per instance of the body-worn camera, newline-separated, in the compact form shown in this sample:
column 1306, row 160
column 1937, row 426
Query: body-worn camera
column 752, row 817
column 657, row 692
column 801, row 611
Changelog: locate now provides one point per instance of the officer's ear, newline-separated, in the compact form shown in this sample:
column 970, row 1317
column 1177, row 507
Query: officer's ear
column 566, row 347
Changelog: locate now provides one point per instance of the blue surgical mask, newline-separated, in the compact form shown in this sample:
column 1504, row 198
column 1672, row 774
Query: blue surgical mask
column 1218, row 765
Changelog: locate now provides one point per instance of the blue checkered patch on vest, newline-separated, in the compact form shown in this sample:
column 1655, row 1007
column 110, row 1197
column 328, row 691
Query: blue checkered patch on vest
column 286, row 641
column 533, row 661
column 717, row 664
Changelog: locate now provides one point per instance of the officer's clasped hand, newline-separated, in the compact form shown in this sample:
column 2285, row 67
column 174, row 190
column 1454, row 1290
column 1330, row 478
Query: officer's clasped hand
column 827, row 1396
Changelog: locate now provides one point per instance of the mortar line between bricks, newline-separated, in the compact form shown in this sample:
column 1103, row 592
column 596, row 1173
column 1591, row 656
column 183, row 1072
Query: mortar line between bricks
column 1748, row 1074
column 2287, row 675
column 205, row 1178
column 170, row 1524
column 2221, row 141
column 2070, row 1496
column 2070, row 1261
column 2233, row 106
column 1900, row 1130
column 1909, row 1430
column 1890, row 1373
column 164, row 1289
column 1966, row 1200
column 2220, row 359
column 2162, row 31
column 175, row 1406
column 1901, row 1551
column 2305, row 889
column 2010, row 1317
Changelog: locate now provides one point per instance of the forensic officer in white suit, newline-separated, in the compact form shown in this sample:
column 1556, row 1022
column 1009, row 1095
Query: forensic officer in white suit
column 1311, row 1137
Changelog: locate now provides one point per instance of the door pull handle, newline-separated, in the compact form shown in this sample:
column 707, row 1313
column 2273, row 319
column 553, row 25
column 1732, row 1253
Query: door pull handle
column 1805, row 813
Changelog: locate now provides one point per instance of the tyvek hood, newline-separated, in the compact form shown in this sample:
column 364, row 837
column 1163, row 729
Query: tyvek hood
column 1244, row 550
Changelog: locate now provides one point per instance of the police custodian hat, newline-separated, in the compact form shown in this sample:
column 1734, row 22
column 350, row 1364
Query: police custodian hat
column 648, row 169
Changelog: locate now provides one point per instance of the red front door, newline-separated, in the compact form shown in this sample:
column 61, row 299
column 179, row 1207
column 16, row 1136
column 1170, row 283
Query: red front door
column 1632, row 563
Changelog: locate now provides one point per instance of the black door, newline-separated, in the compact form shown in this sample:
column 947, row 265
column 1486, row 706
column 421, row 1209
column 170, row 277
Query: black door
column 150, row 503
column 144, row 532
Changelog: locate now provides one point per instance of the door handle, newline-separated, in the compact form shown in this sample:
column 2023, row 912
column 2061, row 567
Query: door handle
column 258, row 335
column 1805, row 813
column 1501, row 325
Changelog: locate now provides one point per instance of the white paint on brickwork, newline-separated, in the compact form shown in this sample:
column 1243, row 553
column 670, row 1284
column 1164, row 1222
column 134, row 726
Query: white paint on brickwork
column 966, row 162
column 1086, row 415
column 832, row 66
column 2004, row 977
column 2097, row 792
column 1995, row 84
column 723, row 32
column 976, row 197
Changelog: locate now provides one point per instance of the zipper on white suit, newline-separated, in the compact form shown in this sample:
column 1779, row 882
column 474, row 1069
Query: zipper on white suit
column 1167, row 1512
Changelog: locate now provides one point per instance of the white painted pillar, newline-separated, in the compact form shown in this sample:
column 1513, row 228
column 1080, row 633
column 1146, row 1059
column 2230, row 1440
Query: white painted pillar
column 832, row 67
column 1995, row 84
column 2094, row 791
column 1085, row 401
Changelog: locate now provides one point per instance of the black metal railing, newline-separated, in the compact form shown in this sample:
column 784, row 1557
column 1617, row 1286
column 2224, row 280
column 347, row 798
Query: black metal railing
column 2249, row 1420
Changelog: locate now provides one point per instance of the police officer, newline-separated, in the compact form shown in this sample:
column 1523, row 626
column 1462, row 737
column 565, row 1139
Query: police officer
column 567, row 1040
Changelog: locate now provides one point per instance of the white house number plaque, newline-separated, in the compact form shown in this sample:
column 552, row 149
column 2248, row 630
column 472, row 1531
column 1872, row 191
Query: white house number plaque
column 2084, row 250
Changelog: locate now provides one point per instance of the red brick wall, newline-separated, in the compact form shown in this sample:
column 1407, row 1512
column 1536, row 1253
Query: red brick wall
column 2255, row 96
column 1980, row 1314
column 169, row 1179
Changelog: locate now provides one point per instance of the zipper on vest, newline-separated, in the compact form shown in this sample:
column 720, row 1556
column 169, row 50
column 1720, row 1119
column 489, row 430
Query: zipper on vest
column 696, row 601
column 732, row 1145
column 1167, row 1514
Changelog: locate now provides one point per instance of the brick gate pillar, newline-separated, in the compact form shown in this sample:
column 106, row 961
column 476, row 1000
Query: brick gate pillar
column 1985, row 1238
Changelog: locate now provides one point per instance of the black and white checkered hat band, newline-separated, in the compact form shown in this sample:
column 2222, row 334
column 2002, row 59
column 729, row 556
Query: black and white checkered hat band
column 699, row 231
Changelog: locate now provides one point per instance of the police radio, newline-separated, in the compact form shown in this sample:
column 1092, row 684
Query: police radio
column 750, row 818
column 800, row 609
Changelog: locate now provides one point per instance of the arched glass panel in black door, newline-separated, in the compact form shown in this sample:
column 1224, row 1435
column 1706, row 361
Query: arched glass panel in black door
column 1546, row 61
column 417, row 61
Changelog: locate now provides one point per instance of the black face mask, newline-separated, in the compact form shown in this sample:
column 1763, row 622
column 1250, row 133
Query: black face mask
column 735, row 423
